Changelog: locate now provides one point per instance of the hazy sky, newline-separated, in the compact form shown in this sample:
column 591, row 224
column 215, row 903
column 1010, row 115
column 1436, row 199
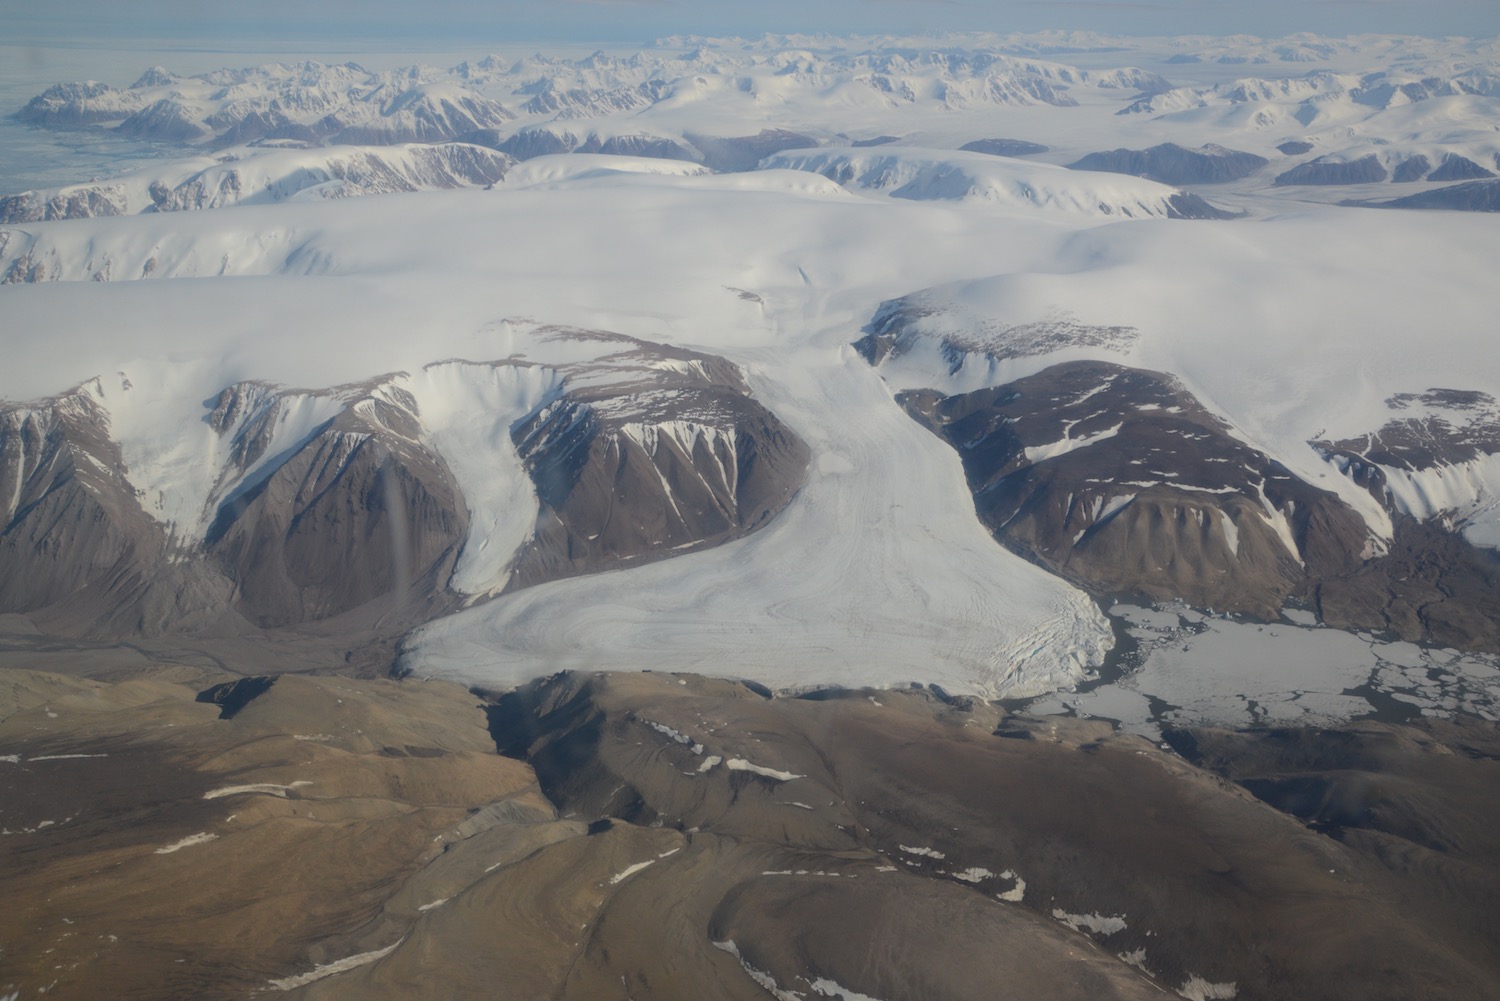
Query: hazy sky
column 641, row 20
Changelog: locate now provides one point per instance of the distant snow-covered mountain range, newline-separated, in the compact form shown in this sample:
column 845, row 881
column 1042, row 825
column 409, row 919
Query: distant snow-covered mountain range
column 1322, row 113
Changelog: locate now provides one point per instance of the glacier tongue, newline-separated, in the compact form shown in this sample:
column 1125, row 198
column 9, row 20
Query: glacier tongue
column 877, row 573
column 467, row 411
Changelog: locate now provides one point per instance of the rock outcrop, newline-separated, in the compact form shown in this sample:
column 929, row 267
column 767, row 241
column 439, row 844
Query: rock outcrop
column 676, row 457
column 1365, row 170
column 1119, row 480
column 1170, row 163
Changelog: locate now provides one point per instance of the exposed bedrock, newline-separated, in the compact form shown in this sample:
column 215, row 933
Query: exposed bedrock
column 1432, row 466
column 71, row 519
column 266, row 175
column 1431, row 587
column 359, row 511
column 1459, row 168
column 677, row 458
column 729, row 153
column 1119, row 480
column 1365, row 170
column 526, row 144
column 75, row 545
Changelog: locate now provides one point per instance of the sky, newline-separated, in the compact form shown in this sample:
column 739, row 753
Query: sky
column 640, row 21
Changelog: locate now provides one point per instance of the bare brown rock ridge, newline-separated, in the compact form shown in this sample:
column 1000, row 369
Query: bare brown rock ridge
column 76, row 548
column 1119, row 480
column 159, row 847
column 678, row 457
column 1400, row 796
column 337, row 506
column 361, row 509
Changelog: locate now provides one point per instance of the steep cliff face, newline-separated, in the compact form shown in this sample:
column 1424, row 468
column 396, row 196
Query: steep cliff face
column 678, row 458
column 359, row 511
column 1118, row 479
column 71, row 520
column 75, row 544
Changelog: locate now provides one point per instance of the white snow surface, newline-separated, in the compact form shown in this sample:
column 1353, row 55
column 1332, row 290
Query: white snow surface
column 1100, row 924
column 256, row 788
column 742, row 765
column 572, row 168
column 1196, row 988
column 826, row 988
column 329, row 969
column 953, row 175
column 466, row 412
column 187, row 842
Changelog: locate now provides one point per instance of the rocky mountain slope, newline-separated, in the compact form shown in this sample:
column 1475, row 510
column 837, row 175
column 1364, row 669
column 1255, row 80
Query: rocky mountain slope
column 306, row 505
column 1118, row 479
column 1173, row 164
column 1121, row 481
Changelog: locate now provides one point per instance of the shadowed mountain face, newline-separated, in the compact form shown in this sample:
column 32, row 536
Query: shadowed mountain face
column 335, row 838
column 360, row 511
column 1003, row 147
column 1173, row 164
column 1365, row 170
column 75, row 546
column 1471, row 196
column 1459, row 168
column 1120, row 480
